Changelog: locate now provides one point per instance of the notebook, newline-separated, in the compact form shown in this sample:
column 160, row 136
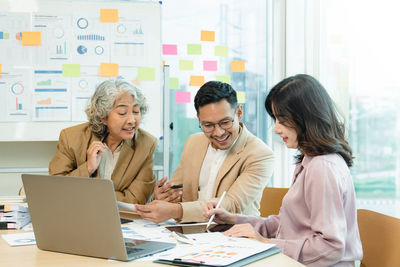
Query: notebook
column 80, row 216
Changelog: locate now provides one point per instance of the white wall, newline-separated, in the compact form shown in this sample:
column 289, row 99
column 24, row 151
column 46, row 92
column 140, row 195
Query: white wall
column 20, row 155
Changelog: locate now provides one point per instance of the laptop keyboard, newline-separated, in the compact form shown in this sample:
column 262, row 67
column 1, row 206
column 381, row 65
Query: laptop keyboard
column 131, row 250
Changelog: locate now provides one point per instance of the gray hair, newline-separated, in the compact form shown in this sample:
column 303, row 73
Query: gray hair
column 103, row 100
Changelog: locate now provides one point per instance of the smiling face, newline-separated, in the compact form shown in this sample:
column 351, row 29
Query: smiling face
column 288, row 133
column 220, row 112
column 123, row 120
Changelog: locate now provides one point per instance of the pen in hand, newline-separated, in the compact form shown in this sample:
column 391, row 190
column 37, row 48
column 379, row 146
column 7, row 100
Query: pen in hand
column 216, row 207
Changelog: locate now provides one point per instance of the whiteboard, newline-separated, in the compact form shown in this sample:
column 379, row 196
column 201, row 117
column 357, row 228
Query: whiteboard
column 53, row 54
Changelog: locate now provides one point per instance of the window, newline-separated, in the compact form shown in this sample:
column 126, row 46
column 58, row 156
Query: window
column 359, row 64
column 240, row 32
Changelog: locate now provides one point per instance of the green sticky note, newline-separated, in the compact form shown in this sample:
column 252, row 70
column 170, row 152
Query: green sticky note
column 146, row 74
column 71, row 70
column 194, row 49
column 223, row 78
column 221, row 50
column 186, row 64
column 173, row 83
column 241, row 97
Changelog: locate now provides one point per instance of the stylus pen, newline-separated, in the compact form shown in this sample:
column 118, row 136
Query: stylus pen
column 216, row 207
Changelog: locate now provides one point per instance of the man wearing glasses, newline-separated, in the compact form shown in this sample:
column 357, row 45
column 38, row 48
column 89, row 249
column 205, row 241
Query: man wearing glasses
column 224, row 157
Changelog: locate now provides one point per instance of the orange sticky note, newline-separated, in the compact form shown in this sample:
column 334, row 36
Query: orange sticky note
column 31, row 38
column 207, row 36
column 108, row 15
column 237, row 66
column 196, row 80
column 109, row 69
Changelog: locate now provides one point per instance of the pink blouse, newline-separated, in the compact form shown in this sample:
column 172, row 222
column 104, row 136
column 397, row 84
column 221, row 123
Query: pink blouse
column 317, row 223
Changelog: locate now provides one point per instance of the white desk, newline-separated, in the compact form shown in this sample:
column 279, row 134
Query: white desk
column 31, row 256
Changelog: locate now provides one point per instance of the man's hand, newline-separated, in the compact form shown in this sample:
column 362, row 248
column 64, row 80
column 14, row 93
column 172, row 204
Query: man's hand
column 163, row 191
column 158, row 211
column 93, row 156
column 245, row 230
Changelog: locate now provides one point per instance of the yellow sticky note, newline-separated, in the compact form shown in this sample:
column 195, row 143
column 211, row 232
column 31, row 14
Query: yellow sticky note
column 173, row 83
column 146, row 74
column 207, row 36
column 0, row 69
column 223, row 78
column 31, row 38
column 241, row 97
column 237, row 66
column 71, row 70
column 108, row 15
column 194, row 49
column 221, row 50
column 109, row 69
column 196, row 80
column 186, row 64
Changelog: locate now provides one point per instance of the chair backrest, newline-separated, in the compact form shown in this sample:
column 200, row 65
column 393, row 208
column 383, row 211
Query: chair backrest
column 271, row 200
column 380, row 237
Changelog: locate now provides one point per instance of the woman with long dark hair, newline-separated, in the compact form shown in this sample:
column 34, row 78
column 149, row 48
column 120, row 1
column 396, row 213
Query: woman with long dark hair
column 317, row 223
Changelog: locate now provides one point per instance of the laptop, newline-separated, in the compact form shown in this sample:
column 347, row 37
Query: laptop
column 80, row 216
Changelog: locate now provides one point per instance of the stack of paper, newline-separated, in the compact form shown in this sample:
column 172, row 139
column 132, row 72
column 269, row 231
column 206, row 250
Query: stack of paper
column 13, row 216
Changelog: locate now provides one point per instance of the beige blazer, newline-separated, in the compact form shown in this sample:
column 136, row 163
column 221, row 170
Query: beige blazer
column 133, row 175
column 243, row 175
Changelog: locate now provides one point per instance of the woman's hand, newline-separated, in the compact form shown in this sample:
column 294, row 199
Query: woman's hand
column 163, row 191
column 222, row 216
column 93, row 156
column 245, row 230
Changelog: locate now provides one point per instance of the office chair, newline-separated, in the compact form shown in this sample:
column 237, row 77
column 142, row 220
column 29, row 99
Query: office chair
column 380, row 237
column 271, row 200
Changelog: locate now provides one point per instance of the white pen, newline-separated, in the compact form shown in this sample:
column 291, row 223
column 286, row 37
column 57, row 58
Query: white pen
column 216, row 207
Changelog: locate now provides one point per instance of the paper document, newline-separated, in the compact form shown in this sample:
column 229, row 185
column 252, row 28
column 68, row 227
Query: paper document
column 214, row 249
column 123, row 206
column 20, row 239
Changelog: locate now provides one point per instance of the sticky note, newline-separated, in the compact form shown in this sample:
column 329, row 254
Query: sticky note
column 207, row 36
column 31, row 38
column 221, row 50
column 241, row 97
column 210, row 65
column 109, row 69
column 108, row 15
column 196, row 80
column 146, row 74
column 194, row 49
column 71, row 70
column 223, row 78
column 186, row 64
column 182, row 97
column 169, row 49
column 173, row 83
column 0, row 69
column 237, row 66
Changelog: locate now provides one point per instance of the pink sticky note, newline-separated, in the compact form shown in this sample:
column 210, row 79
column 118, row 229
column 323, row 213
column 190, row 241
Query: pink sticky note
column 209, row 65
column 169, row 49
column 182, row 97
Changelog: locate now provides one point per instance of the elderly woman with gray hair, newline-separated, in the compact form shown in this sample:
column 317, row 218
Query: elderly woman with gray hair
column 111, row 145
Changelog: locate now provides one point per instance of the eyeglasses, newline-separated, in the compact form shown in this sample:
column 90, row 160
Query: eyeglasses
column 209, row 127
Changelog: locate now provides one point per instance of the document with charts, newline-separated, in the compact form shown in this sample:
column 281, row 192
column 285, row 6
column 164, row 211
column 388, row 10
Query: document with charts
column 214, row 249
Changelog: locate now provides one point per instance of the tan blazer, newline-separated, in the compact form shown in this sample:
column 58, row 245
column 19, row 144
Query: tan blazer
column 243, row 175
column 133, row 175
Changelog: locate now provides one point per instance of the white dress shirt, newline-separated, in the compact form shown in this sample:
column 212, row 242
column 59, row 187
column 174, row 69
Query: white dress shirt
column 108, row 162
column 209, row 170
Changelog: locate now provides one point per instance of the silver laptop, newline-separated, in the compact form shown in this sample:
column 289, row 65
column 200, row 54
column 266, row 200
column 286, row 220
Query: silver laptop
column 80, row 216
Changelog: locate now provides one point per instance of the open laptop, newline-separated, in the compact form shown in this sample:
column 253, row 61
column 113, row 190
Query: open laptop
column 80, row 216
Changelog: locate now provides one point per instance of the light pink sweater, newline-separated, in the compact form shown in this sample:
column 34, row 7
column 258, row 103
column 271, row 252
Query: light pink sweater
column 317, row 223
